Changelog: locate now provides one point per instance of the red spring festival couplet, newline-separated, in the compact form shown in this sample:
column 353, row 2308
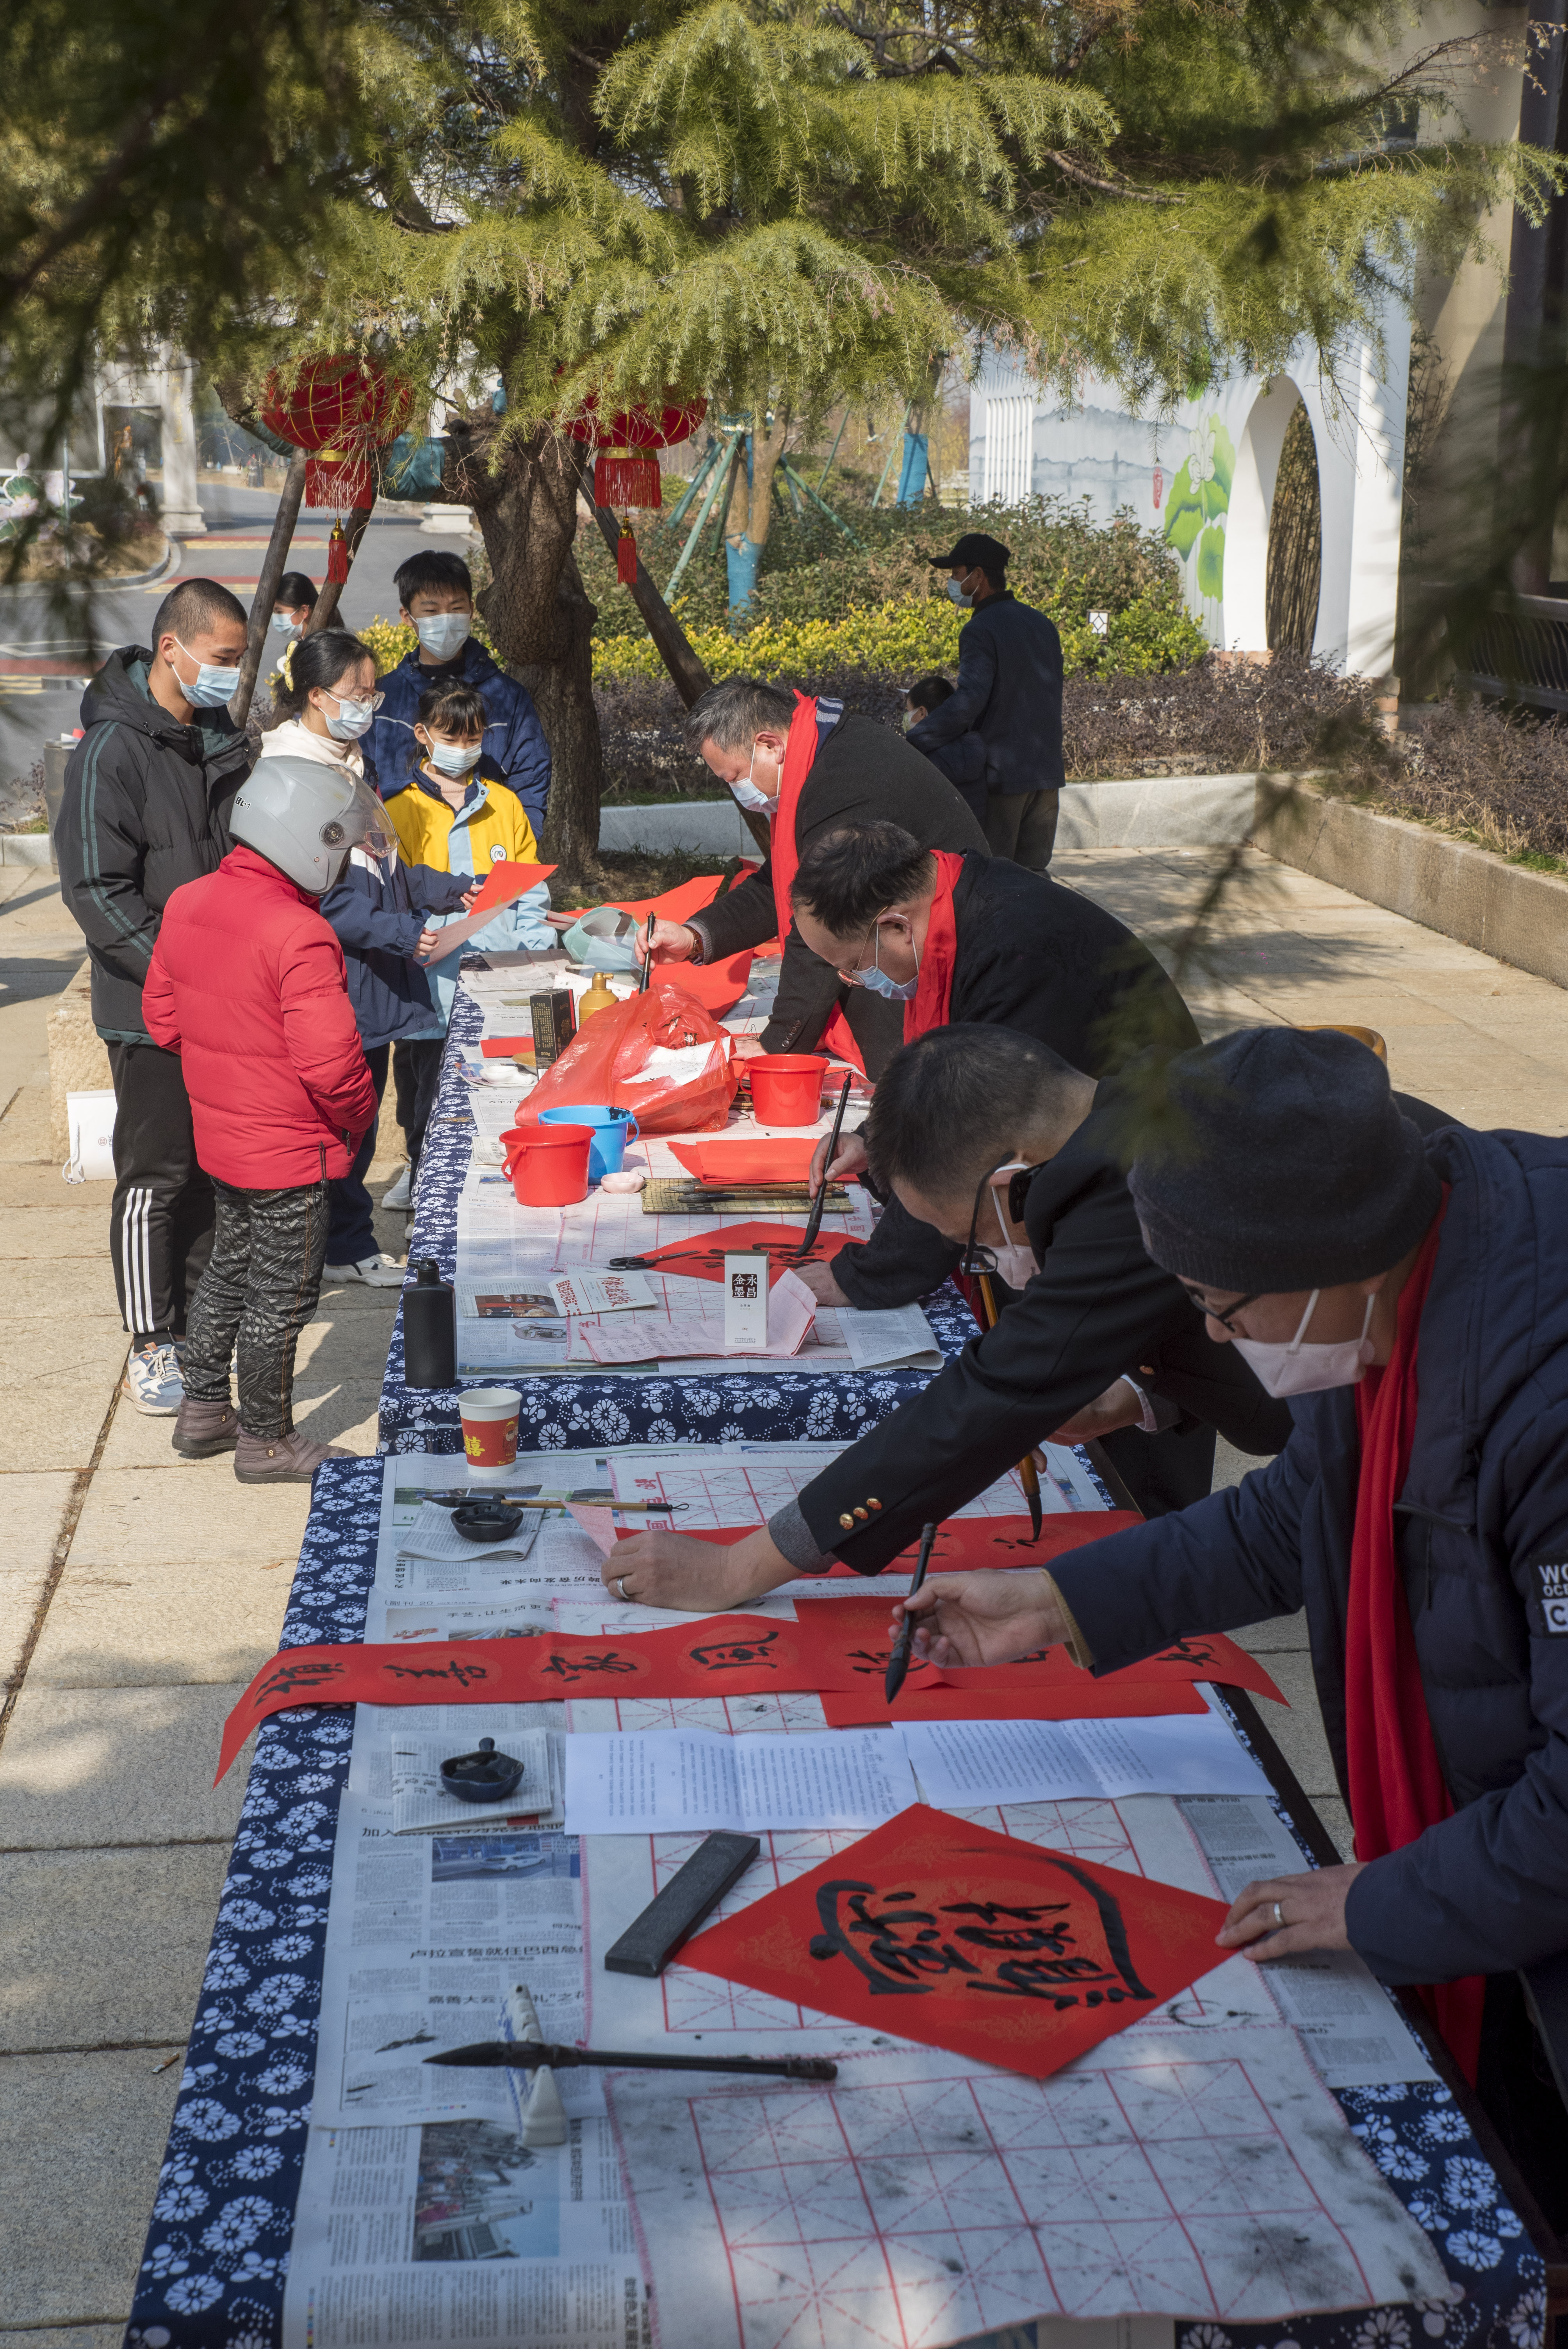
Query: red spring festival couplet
column 995, row 1949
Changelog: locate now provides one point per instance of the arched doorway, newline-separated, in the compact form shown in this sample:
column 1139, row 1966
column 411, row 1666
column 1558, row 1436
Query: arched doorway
column 1294, row 575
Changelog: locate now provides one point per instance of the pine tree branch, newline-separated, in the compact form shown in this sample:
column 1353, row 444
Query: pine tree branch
column 138, row 136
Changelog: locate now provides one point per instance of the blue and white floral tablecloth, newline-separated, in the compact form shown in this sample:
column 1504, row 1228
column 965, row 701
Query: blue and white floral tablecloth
column 560, row 1413
column 217, row 2251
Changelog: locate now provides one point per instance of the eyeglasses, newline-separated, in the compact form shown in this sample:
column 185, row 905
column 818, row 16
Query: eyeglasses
column 368, row 701
column 978, row 1257
column 1228, row 1318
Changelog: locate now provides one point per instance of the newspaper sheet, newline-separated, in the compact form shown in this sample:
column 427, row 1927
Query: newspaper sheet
column 456, row 2232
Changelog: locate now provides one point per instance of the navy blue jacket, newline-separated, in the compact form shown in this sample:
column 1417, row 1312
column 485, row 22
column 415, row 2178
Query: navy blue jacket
column 515, row 743
column 379, row 919
column 1482, row 1530
column 1009, row 690
column 963, row 764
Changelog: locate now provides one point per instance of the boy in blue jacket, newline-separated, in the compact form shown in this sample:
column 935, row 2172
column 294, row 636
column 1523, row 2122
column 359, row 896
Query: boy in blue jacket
column 436, row 595
column 378, row 910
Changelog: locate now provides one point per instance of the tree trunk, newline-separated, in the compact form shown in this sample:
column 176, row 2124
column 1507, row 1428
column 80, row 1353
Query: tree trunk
column 767, row 448
column 1293, row 576
column 538, row 611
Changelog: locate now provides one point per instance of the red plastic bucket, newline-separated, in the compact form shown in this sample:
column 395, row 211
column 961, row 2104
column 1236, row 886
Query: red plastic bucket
column 546, row 1165
column 787, row 1087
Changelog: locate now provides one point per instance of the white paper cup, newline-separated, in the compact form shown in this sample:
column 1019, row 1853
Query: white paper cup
column 490, row 1431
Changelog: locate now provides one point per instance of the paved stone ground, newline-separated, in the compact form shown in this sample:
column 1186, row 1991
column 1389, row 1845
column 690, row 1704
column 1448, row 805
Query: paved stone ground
column 138, row 1593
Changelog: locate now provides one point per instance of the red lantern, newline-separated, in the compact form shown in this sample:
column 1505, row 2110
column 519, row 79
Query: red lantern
column 624, row 475
column 340, row 408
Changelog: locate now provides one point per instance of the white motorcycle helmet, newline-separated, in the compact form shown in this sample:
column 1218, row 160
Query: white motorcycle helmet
column 304, row 819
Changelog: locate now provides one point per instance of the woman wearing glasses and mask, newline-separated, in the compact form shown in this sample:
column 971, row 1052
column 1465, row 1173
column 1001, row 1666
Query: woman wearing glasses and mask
column 380, row 907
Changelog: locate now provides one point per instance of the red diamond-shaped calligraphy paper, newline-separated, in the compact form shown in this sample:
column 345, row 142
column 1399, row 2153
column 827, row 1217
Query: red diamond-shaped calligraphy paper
column 946, row 1933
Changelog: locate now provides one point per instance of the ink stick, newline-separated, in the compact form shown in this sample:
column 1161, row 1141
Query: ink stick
column 673, row 1916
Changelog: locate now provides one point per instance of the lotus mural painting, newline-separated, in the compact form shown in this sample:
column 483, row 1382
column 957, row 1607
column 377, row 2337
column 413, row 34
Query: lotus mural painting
column 1196, row 512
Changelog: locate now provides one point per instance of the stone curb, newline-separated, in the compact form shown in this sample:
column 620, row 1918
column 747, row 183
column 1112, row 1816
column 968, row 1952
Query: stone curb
column 1516, row 916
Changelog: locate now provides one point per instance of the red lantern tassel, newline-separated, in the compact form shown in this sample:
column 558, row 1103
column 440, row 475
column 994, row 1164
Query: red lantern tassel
column 628, row 480
column 337, row 556
column 627, row 557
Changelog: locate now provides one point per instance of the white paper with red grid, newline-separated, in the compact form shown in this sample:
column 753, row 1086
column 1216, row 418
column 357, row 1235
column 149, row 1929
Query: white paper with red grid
column 921, row 2200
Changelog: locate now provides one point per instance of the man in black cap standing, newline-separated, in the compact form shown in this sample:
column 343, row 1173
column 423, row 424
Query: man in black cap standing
column 1010, row 692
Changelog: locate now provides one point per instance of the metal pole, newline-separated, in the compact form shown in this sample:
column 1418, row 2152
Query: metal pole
column 834, row 450
column 689, row 549
column 678, row 511
column 266, row 596
column 837, row 520
column 895, row 450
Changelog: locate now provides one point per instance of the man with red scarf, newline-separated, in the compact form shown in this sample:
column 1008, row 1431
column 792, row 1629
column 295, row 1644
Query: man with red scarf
column 979, row 941
column 1410, row 1296
column 808, row 767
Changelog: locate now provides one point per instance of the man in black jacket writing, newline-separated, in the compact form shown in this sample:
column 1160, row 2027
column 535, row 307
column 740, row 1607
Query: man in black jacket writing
column 146, row 807
column 1101, row 1343
column 809, row 768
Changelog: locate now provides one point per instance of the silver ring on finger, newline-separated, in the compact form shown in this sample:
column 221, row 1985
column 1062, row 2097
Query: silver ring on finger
column 1279, row 1915
column 622, row 1591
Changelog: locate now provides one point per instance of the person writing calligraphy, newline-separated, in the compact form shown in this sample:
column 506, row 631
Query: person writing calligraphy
column 971, row 940
column 1409, row 1295
column 808, row 767
column 1101, row 1343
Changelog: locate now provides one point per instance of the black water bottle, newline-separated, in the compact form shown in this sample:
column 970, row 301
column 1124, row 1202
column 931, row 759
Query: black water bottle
column 429, row 1330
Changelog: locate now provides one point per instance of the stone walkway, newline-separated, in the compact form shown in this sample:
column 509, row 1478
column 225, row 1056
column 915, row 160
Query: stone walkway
column 138, row 1593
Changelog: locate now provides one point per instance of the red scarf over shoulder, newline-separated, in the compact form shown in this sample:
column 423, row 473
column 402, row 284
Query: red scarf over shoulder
column 799, row 753
column 1396, row 1786
column 931, row 1002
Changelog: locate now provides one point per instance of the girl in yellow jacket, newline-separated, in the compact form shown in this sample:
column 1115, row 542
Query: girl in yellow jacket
column 455, row 813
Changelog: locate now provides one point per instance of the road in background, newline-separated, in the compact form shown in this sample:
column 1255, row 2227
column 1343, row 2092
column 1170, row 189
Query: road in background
column 44, row 665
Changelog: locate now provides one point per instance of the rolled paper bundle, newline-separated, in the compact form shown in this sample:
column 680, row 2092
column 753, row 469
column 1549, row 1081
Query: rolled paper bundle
column 628, row 1179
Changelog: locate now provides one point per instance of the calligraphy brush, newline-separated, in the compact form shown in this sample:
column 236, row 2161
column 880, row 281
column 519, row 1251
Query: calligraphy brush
column 647, row 955
column 1028, row 1475
column 814, row 1222
column 898, row 1662
column 526, row 2054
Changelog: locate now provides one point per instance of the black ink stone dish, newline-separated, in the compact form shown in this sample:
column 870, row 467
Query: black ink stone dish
column 486, row 1776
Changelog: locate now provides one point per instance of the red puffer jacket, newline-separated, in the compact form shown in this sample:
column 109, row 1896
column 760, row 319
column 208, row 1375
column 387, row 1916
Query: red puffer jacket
column 246, row 985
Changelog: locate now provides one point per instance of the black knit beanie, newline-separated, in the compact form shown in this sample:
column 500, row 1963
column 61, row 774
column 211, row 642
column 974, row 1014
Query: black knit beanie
column 1287, row 1165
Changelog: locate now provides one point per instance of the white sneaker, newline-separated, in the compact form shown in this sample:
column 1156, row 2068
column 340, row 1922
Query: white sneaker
column 152, row 1380
column 375, row 1271
column 401, row 1194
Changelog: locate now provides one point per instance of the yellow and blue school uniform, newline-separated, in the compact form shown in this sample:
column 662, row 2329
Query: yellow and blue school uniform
column 491, row 826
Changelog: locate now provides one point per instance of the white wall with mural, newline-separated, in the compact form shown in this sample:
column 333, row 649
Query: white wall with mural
column 1202, row 475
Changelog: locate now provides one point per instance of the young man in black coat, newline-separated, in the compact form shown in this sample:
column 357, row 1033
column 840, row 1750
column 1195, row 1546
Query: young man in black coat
column 146, row 808
column 860, row 772
column 1009, row 691
column 978, row 941
column 1099, row 1343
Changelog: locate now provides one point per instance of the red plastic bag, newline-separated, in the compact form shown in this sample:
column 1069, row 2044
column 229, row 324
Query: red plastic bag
column 607, row 1061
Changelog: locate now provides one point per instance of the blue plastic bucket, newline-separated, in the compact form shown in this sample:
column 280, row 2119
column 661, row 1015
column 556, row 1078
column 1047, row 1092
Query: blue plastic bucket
column 613, row 1129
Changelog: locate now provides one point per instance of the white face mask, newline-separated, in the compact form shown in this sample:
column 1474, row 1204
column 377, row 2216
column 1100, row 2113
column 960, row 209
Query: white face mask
column 1017, row 1265
column 1301, row 1368
column 749, row 795
column 454, row 759
column 444, row 634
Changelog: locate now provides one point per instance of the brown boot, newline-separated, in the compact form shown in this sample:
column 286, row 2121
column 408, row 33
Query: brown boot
column 203, row 1428
column 282, row 1459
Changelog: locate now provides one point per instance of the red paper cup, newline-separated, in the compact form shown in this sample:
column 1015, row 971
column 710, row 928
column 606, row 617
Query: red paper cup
column 489, row 1429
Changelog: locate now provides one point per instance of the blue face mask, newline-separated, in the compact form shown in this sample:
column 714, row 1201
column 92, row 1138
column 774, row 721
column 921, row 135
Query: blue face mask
column 877, row 981
column 748, row 794
column 956, row 595
column 213, row 686
column 282, row 626
column 444, row 634
column 352, row 720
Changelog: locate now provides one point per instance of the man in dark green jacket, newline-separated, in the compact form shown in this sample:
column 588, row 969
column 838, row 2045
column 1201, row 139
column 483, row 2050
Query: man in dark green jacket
column 146, row 804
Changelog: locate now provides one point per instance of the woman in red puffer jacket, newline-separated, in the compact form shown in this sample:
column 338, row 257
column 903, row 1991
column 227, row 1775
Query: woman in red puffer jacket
column 247, row 986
